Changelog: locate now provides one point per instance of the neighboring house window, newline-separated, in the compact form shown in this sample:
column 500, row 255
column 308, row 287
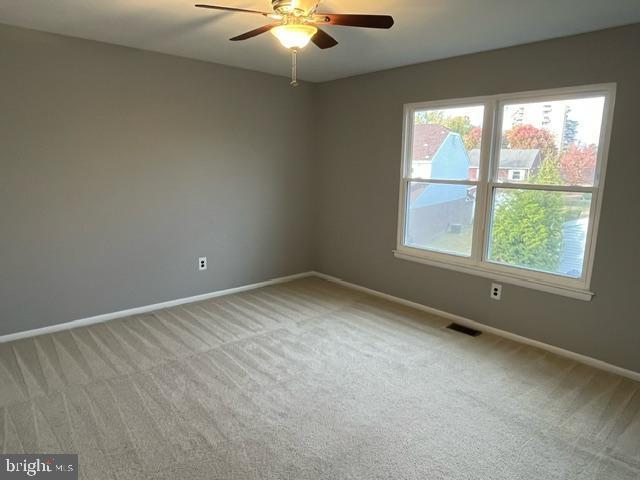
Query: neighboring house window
column 525, row 214
column 516, row 175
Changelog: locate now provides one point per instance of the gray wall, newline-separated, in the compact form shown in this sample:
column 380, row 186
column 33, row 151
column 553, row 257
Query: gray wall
column 118, row 168
column 359, row 134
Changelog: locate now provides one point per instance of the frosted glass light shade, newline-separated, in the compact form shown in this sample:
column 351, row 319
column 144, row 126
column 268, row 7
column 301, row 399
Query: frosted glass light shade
column 294, row 36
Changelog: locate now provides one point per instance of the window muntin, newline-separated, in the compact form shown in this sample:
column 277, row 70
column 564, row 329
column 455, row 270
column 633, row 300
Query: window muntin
column 569, row 180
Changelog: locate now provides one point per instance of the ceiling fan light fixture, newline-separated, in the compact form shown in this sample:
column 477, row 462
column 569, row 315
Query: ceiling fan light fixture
column 294, row 35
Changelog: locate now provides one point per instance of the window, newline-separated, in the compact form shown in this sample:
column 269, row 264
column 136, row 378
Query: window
column 516, row 175
column 441, row 199
column 508, row 186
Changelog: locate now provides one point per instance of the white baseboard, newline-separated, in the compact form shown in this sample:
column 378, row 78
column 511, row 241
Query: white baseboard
column 593, row 362
column 147, row 308
column 418, row 306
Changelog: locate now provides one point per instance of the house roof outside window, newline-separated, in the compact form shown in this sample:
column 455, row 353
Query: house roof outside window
column 427, row 139
column 512, row 159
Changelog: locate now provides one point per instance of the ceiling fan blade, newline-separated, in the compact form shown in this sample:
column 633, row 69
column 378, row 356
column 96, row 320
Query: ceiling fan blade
column 349, row 20
column 323, row 40
column 253, row 33
column 231, row 9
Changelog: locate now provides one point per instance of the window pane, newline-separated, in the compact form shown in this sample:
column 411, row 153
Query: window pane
column 540, row 230
column 446, row 143
column 440, row 217
column 551, row 143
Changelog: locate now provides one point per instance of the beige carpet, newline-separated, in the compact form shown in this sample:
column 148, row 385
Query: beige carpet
column 308, row 380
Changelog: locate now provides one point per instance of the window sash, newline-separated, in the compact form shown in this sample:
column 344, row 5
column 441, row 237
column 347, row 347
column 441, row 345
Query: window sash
column 487, row 183
column 407, row 146
column 406, row 188
column 578, row 281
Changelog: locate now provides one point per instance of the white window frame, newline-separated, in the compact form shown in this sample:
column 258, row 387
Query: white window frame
column 477, row 263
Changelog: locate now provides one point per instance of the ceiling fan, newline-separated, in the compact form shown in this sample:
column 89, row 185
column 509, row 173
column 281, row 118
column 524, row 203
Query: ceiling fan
column 295, row 23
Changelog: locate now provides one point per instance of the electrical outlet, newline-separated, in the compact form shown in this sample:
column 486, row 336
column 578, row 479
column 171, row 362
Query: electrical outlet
column 496, row 291
column 202, row 263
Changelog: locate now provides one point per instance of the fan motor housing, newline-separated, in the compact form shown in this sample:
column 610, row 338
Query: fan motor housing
column 305, row 7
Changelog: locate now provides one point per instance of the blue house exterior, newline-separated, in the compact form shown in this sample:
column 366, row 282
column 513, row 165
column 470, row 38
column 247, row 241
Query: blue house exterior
column 435, row 209
column 450, row 162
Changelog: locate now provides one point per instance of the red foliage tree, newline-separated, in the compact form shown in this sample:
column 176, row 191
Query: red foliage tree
column 578, row 164
column 529, row 137
column 473, row 138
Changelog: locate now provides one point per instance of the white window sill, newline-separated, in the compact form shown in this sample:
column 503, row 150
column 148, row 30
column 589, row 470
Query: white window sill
column 577, row 293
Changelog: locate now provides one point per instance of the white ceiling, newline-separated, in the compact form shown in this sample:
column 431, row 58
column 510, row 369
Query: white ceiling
column 424, row 29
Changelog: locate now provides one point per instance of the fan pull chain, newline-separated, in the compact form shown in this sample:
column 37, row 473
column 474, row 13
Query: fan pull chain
column 294, row 67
